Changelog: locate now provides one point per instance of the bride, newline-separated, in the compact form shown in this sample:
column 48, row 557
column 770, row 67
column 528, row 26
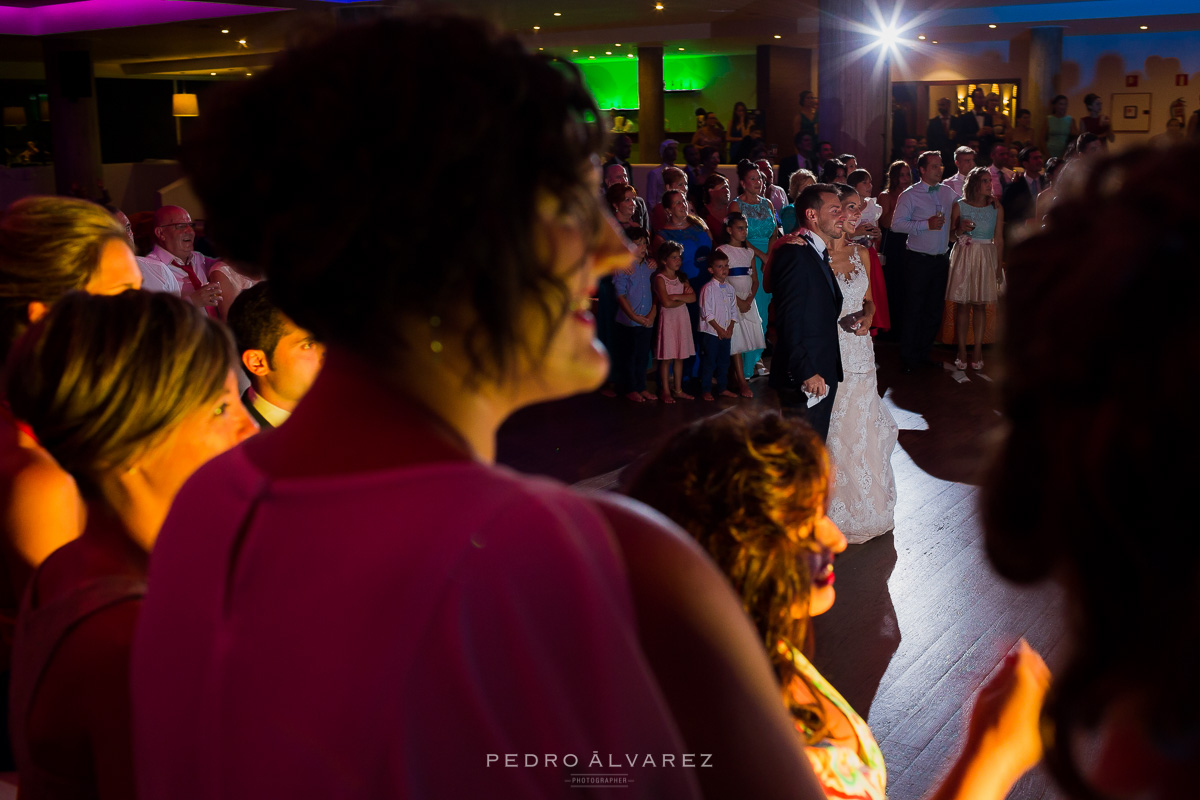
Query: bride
column 862, row 432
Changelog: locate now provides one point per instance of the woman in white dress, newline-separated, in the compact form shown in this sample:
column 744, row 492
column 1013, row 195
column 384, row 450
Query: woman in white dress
column 743, row 277
column 862, row 432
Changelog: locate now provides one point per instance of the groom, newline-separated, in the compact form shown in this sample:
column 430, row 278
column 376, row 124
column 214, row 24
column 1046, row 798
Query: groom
column 807, row 302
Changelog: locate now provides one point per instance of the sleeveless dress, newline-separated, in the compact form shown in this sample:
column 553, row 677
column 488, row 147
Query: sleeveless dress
column 674, row 324
column 748, row 333
column 973, row 260
column 762, row 222
column 856, row 774
column 1059, row 132
column 41, row 628
column 862, row 432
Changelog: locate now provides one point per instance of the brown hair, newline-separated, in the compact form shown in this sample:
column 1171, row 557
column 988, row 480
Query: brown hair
column 750, row 488
column 101, row 379
column 893, row 176
column 48, row 246
column 1087, row 489
column 260, row 155
column 974, row 183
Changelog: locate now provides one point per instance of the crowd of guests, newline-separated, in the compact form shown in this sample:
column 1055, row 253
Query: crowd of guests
column 278, row 590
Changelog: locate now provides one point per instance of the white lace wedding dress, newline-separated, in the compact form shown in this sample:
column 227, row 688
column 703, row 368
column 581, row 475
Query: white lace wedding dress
column 862, row 432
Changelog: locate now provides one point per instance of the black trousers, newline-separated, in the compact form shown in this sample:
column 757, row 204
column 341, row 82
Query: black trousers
column 794, row 403
column 631, row 355
column 925, row 279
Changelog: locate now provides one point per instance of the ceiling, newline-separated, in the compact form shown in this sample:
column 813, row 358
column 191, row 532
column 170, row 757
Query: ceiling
column 186, row 37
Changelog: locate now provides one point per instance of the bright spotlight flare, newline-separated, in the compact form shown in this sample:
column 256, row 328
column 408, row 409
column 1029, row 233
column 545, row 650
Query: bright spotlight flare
column 888, row 37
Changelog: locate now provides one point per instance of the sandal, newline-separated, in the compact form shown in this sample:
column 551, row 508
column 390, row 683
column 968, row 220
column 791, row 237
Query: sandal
column 959, row 364
column 976, row 365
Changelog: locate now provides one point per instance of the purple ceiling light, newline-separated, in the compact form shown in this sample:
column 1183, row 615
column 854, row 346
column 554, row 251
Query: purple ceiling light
column 90, row 15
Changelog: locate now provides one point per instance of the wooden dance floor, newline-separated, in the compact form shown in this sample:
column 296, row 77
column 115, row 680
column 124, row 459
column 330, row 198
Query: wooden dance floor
column 920, row 620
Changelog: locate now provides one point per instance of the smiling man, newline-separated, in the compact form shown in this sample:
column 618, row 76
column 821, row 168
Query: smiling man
column 174, row 266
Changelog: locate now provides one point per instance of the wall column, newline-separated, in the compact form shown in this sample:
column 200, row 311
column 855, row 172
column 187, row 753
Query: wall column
column 782, row 74
column 1045, row 64
column 650, row 103
column 74, row 124
column 854, row 92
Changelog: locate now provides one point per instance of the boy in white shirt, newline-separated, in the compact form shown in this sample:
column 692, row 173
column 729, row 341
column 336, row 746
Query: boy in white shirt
column 718, row 315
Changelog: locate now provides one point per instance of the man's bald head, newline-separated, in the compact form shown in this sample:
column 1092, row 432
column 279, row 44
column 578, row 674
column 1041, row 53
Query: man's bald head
column 614, row 174
column 173, row 231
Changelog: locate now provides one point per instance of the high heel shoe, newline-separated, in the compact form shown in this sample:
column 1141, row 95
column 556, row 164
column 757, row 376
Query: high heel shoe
column 959, row 364
column 976, row 365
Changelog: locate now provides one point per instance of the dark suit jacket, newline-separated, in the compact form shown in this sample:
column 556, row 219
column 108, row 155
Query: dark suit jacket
column 937, row 138
column 263, row 425
column 1018, row 202
column 789, row 165
column 806, row 303
column 968, row 128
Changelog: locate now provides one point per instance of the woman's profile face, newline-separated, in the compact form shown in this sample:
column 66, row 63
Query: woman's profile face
column 864, row 188
column 852, row 209
column 201, row 436
column 821, row 594
column 560, row 355
column 905, row 177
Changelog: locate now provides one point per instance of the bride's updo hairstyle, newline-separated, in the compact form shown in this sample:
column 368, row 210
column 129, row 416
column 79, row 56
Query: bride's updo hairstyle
column 1094, row 483
column 324, row 202
column 750, row 488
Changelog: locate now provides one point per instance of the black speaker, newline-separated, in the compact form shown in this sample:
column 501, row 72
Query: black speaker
column 75, row 73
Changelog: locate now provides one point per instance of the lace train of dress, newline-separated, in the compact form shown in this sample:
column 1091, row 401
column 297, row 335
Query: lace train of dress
column 862, row 432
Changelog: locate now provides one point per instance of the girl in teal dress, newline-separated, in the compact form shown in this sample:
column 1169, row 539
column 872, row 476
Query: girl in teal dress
column 764, row 227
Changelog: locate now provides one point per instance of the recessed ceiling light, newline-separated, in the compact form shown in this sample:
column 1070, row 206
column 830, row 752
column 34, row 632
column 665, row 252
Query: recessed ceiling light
column 629, row 55
column 934, row 41
column 541, row 48
column 537, row 27
column 777, row 36
column 681, row 48
column 558, row 13
column 991, row 26
column 242, row 42
column 658, row 6
column 592, row 57
column 574, row 51
column 608, row 52
column 248, row 74
column 225, row 30
column 1145, row 27
column 921, row 36
column 212, row 73
column 616, row 44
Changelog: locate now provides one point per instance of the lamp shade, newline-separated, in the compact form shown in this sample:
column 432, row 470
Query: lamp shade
column 184, row 105
column 15, row 116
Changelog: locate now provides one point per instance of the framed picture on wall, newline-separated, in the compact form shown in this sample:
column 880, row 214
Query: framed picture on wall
column 1131, row 112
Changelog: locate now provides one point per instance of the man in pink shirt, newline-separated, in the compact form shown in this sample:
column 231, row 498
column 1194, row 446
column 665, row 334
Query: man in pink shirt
column 174, row 266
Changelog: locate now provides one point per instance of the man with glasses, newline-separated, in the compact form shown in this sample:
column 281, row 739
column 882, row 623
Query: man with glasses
column 174, row 266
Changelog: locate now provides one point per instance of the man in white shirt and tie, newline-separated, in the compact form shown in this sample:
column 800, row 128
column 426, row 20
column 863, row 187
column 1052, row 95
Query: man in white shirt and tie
column 964, row 160
column 174, row 266
column 923, row 211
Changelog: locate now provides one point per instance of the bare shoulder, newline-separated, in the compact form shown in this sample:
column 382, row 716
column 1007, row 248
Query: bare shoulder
column 44, row 510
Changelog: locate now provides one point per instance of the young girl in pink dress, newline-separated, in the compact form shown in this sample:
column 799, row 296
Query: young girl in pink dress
column 672, row 292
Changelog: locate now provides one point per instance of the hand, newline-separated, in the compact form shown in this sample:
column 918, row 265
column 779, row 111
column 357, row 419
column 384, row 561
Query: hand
column 648, row 321
column 815, row 385
column 966, row 224
column 790, row 238
column 1004, row 723
column 209, row 294
column 936, row 222
column 863, row 326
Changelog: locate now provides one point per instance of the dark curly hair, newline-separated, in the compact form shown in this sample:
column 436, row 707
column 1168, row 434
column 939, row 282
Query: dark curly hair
column 295, row 182
column 1090, row 487
column 750, row 488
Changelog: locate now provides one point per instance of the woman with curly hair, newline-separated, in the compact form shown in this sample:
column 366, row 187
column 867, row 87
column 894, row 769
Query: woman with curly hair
column 752, row 489
column 361, row 602
column 1095, row 494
